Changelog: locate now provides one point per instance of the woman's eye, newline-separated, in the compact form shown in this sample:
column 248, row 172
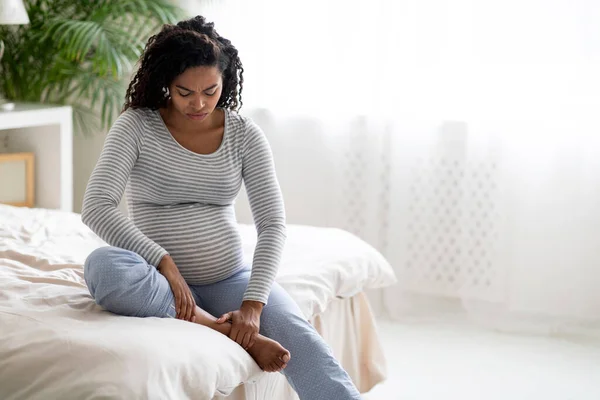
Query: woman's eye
column 184, row 95
column 211, row 94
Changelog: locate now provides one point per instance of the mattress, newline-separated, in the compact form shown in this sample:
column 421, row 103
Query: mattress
column 55, row 342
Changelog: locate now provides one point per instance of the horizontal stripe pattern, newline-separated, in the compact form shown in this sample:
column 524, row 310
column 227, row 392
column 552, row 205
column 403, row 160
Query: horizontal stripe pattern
column 182, row 203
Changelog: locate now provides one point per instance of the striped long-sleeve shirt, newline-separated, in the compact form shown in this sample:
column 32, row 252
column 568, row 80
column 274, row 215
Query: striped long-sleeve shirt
column 182, row 203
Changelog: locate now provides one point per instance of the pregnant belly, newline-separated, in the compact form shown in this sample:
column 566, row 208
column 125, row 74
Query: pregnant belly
column 203, row 240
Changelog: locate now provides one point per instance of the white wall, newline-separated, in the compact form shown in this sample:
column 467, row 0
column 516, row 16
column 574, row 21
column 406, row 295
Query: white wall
column 86, row 150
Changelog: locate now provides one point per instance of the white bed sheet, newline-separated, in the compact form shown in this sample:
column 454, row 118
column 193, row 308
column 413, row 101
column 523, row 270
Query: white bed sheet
column 55, row 342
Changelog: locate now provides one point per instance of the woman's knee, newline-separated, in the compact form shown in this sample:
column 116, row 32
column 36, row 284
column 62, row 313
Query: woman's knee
column 288, row 324
column 110, row 271
column 282, row 311
column 100, row 264
column 94, row 267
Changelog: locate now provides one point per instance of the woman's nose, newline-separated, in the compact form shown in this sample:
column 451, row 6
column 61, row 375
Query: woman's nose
column 198, row 102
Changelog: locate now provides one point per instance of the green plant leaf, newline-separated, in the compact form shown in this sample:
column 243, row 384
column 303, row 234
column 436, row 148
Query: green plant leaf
column 79, row 53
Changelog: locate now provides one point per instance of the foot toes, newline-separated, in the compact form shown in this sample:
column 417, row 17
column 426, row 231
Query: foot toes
column 285, row 358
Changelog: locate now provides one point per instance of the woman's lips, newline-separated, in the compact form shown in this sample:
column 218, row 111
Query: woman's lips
column 197, row 117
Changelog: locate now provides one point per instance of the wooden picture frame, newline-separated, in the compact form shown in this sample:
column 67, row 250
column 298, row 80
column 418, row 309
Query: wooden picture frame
column 17, row 179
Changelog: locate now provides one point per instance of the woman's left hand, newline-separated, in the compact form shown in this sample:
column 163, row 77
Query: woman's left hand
column 245, row 323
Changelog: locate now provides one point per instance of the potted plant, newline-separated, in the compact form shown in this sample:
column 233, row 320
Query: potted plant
column 79, row 53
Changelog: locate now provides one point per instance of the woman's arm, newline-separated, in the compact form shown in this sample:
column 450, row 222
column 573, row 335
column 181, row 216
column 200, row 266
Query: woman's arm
column 266, row 203
column 107, row 184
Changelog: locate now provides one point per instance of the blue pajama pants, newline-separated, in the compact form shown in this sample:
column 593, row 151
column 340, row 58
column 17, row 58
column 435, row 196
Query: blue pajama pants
column 123, row 282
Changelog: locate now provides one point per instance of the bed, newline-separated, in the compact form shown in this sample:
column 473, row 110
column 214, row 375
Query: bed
column 55, row 342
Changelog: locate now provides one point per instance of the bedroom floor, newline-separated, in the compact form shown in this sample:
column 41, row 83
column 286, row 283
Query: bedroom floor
column 454, row 361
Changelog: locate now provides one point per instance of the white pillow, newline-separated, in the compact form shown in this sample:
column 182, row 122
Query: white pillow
column 320, row 264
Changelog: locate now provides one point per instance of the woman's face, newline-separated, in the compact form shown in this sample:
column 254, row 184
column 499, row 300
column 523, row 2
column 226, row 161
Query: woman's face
column 196, row 92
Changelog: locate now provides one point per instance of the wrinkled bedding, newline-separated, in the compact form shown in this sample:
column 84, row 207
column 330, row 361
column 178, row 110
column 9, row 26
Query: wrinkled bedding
column 55, row 342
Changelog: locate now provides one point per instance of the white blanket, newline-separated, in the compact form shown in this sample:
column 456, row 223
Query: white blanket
column 55, row 342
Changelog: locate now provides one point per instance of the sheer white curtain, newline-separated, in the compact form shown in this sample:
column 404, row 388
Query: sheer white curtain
column 460, row 137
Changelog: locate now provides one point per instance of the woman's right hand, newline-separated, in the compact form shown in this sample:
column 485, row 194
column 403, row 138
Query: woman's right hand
column 184, row 301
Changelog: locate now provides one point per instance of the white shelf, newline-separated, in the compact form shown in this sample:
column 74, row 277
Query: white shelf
column 47, row 131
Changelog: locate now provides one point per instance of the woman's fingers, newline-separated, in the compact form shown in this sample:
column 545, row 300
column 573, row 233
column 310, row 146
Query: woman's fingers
column 238, row 337
column 224, row 318
column 178, row 303
column 252, row 340
column 183, row 305
column 234, row 333
column 192, row 306
column 246, row 340
column 186, row 307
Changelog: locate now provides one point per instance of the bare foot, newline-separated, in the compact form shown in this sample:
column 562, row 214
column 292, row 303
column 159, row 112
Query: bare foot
column 269, row 354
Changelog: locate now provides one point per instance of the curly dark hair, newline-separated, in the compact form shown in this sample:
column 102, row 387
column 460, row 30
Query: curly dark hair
column 190, row 43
